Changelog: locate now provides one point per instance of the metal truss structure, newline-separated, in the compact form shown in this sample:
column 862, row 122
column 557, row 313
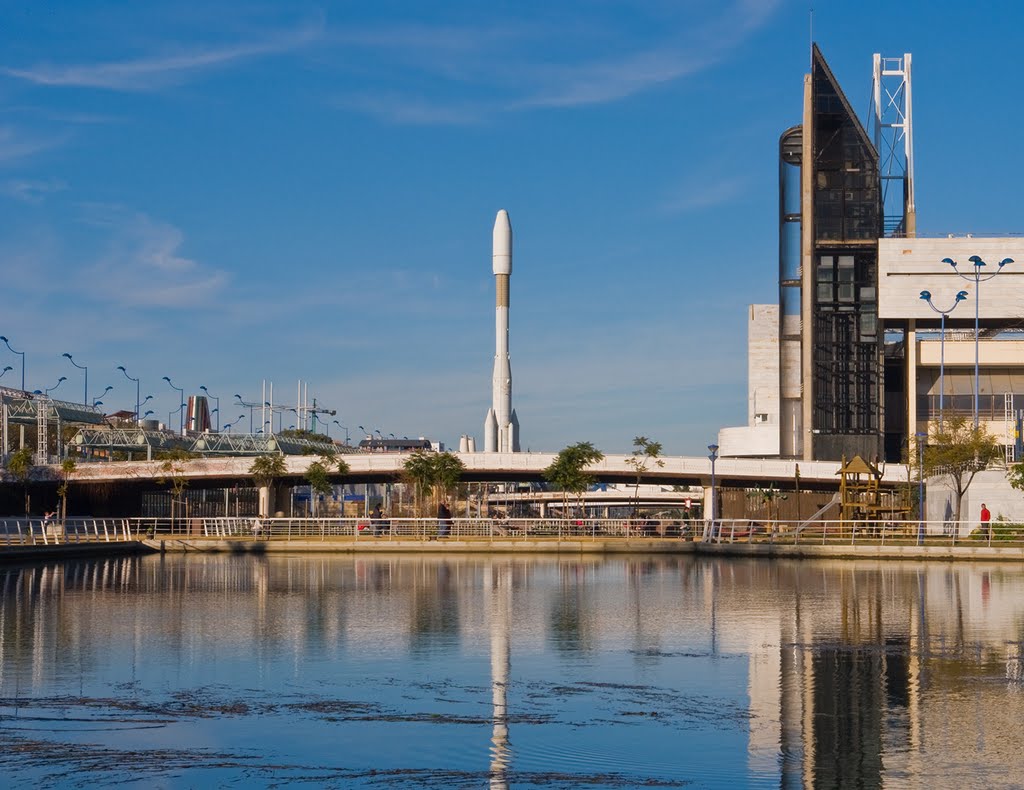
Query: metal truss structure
column 128, row 440
column 260, row 444
column 891, row 124
column 17, row 409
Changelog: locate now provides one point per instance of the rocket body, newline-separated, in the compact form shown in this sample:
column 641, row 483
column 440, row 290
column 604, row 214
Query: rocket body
column 501, row 427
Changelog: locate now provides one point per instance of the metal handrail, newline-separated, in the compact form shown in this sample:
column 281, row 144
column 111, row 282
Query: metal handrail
column 36, row 531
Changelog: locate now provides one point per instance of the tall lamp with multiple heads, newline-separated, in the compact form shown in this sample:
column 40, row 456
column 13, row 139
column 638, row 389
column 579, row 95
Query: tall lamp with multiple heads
column 203, row 388
column 20, row 354
column 344, row 428
column 181, row 391
column 927, row 296
column 713, row 456
column 85, row 398
column 48, row 390
column 138, row 392
column 8, row 367
column 921, row 438
column 250, row 406
column 977, row 278
column 99, row 398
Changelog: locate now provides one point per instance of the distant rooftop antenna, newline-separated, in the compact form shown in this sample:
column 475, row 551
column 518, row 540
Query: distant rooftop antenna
column 893, row 133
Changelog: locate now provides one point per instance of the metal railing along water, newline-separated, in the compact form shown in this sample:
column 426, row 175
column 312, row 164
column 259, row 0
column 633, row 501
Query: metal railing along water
column 57, row 532
column 838, row 532
column 820, row 532
column 45, row 532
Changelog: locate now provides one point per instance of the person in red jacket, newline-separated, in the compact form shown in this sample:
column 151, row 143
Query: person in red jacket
column 986, row 520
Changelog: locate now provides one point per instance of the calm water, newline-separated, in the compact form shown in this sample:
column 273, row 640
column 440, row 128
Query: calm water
column 193, row 671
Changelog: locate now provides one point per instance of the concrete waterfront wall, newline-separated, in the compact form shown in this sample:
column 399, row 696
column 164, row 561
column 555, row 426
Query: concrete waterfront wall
column 449, row 546
column 10, row 554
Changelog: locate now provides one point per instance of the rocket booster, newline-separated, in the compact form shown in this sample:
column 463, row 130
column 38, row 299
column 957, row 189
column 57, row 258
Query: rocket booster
column 501, row 426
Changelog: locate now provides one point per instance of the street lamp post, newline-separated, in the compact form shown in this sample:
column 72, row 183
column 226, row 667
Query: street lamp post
column 927, row 296
column 19, row 353
column 250, row 406
column 978, row 279
column 6, row 368
column 203, row 388
column 181, row 390
column 713, row 456
column 138, row 404
column 60, row 381
column 345, row 429
column 85, row 397
column 921, row 437
column 98, row 398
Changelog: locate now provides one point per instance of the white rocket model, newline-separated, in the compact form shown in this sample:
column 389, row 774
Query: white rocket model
column 501, row 426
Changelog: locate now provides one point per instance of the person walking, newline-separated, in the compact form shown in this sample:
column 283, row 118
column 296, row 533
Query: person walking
column 379, row 522
column 444, row 520
column 986, row 520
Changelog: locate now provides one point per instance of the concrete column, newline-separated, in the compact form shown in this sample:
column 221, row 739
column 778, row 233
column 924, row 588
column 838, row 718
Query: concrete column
column 807, row 290
column 265, row 502
column 707, row 510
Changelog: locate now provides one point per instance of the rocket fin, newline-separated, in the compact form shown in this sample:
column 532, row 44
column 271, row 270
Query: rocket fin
column 514, row 430
column 490, row 432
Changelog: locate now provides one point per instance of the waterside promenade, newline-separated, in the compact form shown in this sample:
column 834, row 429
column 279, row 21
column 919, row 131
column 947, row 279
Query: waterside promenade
column 32, row 538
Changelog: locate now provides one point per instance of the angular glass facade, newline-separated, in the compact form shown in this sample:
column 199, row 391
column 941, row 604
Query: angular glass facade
column 846, row 389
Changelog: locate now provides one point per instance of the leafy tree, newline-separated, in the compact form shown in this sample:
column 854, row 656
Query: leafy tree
column 646, row 453
column 568, row 471
column 319, row 483
column 67, row 468
column 318, row 476
column 265, row 469
column 19, row 464
column 174, row 467
column 958, row 449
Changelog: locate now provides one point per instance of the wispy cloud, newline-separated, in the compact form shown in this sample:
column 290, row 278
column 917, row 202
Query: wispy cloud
column 707, row 192
column 33, row 192
column 499, row 69
column 142, row 264
column 399, row 109
column 15, row 146
column 158, row 71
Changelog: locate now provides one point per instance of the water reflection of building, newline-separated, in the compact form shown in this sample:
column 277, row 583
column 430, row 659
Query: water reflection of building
column 857, row 673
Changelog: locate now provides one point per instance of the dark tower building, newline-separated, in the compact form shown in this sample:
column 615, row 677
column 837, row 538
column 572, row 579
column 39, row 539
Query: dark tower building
column 830, row 222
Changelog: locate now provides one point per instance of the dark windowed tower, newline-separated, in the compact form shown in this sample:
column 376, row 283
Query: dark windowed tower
column 839, row 223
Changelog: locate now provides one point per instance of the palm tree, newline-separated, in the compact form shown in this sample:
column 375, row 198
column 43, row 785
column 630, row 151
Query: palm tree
column 67, row 468
column 174, row 470
column 20, row 465
column 419, row 471
column 646, row 452
column 265, row 470
column 448, row 469
column 434, row 472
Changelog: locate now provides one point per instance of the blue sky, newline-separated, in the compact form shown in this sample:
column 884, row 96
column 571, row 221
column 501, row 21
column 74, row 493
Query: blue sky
column 224, row 193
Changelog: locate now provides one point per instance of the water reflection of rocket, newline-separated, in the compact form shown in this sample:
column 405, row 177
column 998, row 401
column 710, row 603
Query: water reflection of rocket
column 501, row 616
column 501, row 426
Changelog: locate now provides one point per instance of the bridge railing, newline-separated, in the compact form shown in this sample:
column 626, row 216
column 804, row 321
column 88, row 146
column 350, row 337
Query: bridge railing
column 57, row 532
column 860, row 532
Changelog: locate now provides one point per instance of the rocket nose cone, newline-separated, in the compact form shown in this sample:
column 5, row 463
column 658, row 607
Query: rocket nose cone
column 502, row 250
